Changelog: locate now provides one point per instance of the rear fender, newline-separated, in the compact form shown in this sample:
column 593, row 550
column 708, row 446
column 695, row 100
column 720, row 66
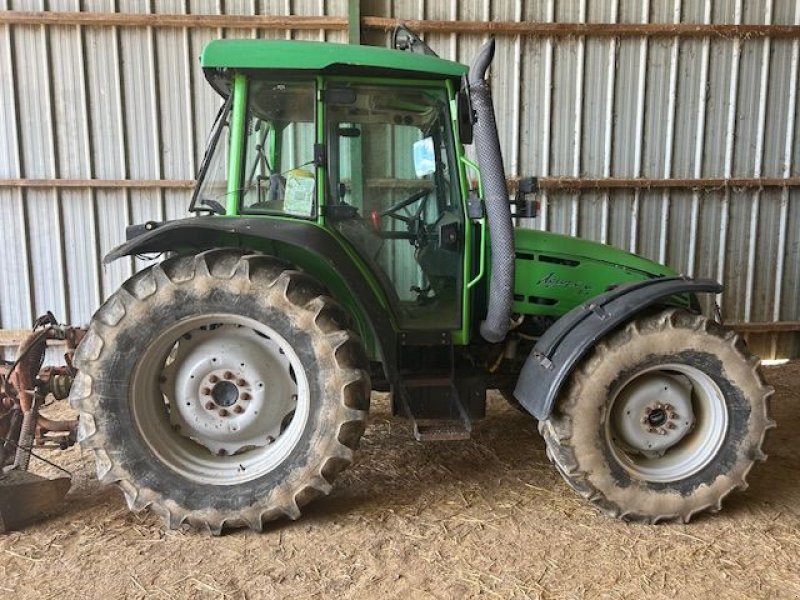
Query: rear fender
column 303, row 243
column 562, row 346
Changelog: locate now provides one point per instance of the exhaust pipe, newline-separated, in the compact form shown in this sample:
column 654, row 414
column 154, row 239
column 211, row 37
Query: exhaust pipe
column 498, row 209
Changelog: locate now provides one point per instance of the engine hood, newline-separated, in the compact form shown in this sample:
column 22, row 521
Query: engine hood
column 555, row 273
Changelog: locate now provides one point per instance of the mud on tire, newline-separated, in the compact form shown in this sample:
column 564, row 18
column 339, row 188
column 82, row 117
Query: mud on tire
column 234, row 289
column 589, row 459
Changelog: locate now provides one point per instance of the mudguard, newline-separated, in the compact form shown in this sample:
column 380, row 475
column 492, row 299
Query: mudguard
column 573, row 335
column 201, row 233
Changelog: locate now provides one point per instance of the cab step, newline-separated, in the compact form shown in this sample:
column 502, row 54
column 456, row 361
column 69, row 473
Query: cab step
column 433, row 404
column 441, row 431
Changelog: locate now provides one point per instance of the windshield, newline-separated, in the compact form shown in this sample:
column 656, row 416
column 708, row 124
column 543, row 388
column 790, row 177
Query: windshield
column 212, row 186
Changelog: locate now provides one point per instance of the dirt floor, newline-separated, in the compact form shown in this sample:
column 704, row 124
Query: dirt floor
column 486, row 518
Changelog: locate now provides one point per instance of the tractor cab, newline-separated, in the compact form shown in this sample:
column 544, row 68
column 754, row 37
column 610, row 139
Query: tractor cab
column 361, row 141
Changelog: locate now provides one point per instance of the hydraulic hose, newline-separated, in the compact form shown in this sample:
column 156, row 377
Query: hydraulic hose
column 498, row 210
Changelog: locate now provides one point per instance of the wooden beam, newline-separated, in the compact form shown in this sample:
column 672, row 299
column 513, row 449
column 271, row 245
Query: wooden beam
column 766, row 327
column 97, row 183
column 344, row 23
column 591, row 29
column 581, row 183
column 104, row 19
column 14, row 337
column 545, row 183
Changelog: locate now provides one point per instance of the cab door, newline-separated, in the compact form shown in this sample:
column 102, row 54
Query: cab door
column 394, row 194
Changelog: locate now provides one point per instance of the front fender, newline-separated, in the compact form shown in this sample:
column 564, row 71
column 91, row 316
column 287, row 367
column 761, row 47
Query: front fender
column 573, row 335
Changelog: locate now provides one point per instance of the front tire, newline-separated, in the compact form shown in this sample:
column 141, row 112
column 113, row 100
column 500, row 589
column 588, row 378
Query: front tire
column 662, row 420
column 222, row 390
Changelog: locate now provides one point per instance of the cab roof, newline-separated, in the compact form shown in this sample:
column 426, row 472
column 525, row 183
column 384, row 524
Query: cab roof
column 320, row 57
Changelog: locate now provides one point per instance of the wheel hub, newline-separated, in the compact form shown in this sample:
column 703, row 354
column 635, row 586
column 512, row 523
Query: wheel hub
column 225, row 393
column 654, row 413
column 216, row 388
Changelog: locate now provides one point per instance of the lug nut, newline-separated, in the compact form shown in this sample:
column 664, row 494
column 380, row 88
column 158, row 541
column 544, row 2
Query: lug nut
column 241, row 382
column 213, row 379
column 228, row 375
column 223, row 412
column 238, row 409
column 245, row 396
column 673, row 415
column 671, row 425
column 210, row 405
column 205, row 391
column 669, row 407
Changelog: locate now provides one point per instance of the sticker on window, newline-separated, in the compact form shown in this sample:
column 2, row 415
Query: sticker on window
column 299, row 198
column 424, row 157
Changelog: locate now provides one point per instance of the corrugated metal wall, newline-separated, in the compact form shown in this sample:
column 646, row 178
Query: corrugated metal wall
column 129, row 103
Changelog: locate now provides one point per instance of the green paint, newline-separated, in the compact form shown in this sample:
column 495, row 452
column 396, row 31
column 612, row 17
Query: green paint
column 482, row 259
column 323, row 57
column 477, row 171
column 236, row 148
column 463, row 337
column 555, row 273
column 406, row 81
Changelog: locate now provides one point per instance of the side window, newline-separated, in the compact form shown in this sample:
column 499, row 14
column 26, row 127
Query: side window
column 278, row 176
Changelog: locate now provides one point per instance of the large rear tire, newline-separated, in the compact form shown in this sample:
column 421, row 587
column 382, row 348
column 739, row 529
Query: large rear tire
column 223, row 390
column 662, row 420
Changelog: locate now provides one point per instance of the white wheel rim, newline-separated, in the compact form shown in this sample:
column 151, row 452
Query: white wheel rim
column 220, row 399
column 666, row 423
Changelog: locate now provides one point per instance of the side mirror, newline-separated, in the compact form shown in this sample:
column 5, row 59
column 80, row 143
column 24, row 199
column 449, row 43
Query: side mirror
column 466, row 114
column 525, row 208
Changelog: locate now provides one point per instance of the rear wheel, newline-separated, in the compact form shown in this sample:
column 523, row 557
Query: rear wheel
column 662, row 420
column 222, row 389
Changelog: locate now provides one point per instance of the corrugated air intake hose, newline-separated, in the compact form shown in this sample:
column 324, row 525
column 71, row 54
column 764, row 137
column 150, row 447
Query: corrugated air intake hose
column 498, row 210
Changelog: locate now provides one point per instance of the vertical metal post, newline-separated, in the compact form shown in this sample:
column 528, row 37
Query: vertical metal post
column 354, row 21
column 641, row 100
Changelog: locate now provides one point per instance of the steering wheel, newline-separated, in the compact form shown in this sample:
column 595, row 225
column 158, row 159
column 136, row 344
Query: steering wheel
column 415, row 197
column 416, row 226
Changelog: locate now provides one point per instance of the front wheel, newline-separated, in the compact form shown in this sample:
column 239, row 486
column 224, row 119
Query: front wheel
column 222, row 390
column 662, row 420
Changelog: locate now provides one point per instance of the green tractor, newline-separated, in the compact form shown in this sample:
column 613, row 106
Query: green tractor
column 342, row 243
